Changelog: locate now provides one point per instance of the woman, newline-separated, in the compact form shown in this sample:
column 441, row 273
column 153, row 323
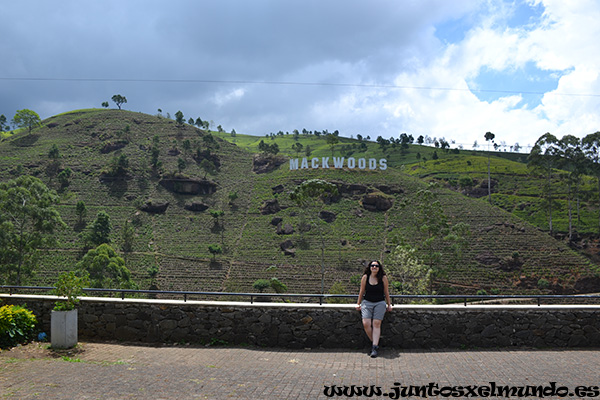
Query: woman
column 372, row 299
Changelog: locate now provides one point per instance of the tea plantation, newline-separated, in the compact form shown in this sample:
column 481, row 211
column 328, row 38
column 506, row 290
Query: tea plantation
column 166, row 191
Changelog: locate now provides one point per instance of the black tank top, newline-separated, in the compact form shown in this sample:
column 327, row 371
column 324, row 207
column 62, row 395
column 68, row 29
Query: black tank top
column 374, row 293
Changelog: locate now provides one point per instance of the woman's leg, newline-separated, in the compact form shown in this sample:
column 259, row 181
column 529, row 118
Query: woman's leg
column 368, row 329
column 376, row 332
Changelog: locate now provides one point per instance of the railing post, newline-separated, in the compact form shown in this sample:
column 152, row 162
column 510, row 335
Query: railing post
column 185, row 297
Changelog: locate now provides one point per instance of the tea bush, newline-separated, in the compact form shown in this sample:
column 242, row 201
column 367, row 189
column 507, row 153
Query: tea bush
column 17, row 325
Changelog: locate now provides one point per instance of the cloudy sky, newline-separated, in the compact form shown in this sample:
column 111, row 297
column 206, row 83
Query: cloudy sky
column 452, row 69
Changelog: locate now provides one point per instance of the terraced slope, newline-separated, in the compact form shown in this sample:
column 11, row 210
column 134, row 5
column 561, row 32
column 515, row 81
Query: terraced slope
column 505, row 254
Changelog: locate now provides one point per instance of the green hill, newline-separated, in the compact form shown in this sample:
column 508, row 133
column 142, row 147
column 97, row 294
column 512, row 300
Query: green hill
column 504, row 254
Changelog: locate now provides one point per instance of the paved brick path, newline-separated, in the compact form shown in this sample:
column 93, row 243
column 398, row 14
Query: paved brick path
column 117, row 371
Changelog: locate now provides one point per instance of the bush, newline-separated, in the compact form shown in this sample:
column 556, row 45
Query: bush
column 261, row 284
column 17, row 325
column 466, row 181
column 339, row 288
column 543, row 283
column 278, row 286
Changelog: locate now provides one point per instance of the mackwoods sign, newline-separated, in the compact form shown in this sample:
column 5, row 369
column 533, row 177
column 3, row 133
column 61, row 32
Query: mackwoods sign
column 338, row 162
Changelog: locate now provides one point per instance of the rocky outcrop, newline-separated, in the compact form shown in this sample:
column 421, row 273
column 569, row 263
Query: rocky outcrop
column 263, row 163
column 354, row 189
column 286, row 229
column 276, row 221
column 155, row 207
column 288, row 248
column 377, row 201
column 189, row 186
column 196, row 207
column 207, row 155
column 327, row 216
column 270, row 207
column 113, row 146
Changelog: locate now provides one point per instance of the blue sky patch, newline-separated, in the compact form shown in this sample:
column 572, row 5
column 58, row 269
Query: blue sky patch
column 453, row 30
column 529, row 81
column 525, row 14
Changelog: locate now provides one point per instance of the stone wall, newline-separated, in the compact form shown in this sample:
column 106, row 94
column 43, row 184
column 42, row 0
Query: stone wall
column 327, row 326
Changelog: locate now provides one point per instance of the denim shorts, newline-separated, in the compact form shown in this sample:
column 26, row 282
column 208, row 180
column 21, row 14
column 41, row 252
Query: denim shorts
column 373, row 310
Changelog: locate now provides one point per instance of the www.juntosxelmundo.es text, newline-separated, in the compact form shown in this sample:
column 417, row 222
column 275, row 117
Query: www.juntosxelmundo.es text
column 432, row 389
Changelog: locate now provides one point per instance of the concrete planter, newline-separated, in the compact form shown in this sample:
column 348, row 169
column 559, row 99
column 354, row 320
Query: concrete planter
column 63, row 329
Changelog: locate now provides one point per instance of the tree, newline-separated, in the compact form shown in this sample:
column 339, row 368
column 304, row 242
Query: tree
column 433, row 224
column 28, row 222
column 297, row 147
column 591, row 149
column 4, row 126
column 215, row 249
column 154, row 153
column 216, row 214
column 543, row 158
column 54, row 152
column 383, row 143
column 332, row 140
column 572, row 160
column 179, row 118
column 105, row 268
column 81, row 211
column 27, row 119
column 232, row 196
column 307, row 150
column 100, row 229
column 181, row 164
column 309, row 196
column 105, row 104
column 489, row 137
column 119, row 100
column 127, row 237
column 407, row 274
column 64, row 177
column 118, row 165
column 405, row 140
column 208, row 167
column 268, row 148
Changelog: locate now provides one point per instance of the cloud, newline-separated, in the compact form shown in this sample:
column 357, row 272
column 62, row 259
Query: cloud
column 375, row 68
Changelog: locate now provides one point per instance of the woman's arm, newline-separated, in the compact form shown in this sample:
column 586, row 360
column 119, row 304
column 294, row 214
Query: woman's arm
column 361, row 293
column 386, row 291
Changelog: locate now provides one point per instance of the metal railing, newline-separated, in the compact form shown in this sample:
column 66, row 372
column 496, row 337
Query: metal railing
column 465, row 299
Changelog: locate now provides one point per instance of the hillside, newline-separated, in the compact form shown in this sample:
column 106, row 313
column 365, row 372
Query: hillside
column 505, row 254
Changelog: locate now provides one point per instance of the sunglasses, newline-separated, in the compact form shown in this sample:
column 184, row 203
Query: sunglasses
column 374, row 266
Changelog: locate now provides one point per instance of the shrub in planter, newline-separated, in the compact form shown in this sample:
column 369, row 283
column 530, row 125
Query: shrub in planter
column 70, row 286
column 17, row 325
column 63, row 321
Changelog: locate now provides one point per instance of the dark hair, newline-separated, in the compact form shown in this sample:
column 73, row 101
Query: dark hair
column 380, row 273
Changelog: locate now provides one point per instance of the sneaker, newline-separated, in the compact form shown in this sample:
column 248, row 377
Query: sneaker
column 374, row 351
